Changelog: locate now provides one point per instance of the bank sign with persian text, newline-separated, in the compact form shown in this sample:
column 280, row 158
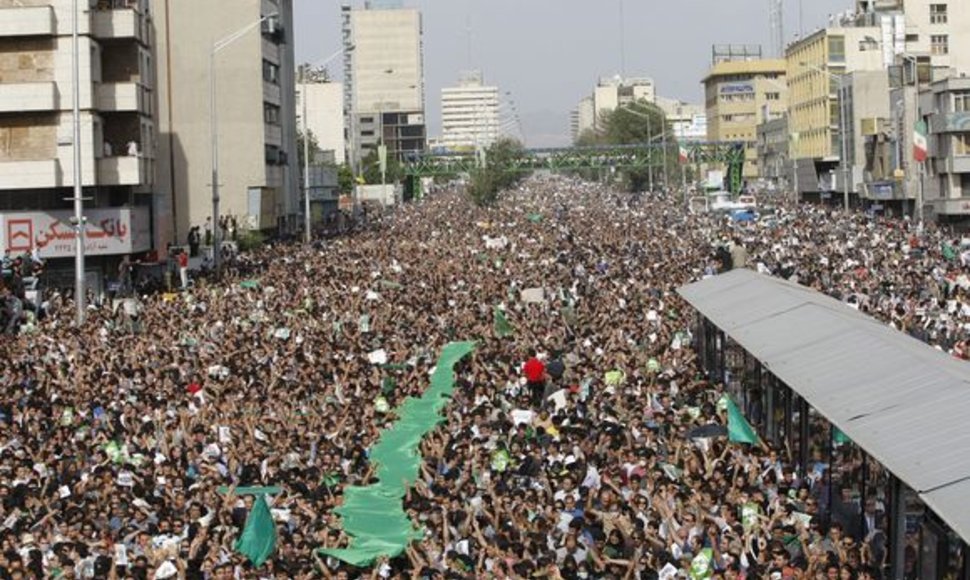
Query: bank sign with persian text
column 106, row 232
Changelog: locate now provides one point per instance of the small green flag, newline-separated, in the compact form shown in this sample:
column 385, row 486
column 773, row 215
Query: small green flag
column 739, row 430
column 535, row 217
column 502, row 327
column 258, row 539
column 839, row 437
column 249, row 284
column 949, row 253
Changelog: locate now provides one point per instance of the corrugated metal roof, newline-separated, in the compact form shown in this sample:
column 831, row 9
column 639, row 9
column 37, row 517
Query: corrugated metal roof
column 906, row 403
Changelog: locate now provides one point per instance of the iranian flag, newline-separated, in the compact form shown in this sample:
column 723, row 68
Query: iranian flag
column 684, row 156
column 920, row 148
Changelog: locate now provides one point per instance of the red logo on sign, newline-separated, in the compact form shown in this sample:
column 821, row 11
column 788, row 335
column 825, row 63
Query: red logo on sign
column 20, row 235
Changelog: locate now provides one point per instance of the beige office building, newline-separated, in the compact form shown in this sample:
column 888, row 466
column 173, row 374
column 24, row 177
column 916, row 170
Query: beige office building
column 117, row 118
column 739, row 96
column 384, row 79
column 255, row 101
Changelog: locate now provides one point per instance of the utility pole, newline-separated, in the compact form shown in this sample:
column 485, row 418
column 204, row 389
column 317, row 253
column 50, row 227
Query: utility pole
column 79, row 286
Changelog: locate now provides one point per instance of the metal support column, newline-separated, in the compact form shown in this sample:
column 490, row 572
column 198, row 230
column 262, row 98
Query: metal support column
column 897, row 535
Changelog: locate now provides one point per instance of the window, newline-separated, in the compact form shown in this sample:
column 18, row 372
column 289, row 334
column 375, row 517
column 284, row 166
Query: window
column 940, row 44
column 772, row 96
column 271, row 114
column 961, row 102
column 938, row 14
column 961, row 144
column 271, row 72
column 366, row 120
column 836, row 49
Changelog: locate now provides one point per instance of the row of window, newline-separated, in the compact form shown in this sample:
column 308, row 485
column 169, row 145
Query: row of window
column 938, row 14
column 939, row 44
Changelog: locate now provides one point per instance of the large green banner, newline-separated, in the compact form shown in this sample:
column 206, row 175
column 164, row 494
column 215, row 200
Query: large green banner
column 373, row 516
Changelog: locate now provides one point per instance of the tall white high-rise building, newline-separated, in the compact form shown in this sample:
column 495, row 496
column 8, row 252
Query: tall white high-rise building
column 470, row 113
column 383, row 79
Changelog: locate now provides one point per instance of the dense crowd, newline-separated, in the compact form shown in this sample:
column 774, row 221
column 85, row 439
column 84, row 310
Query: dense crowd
column 115, row 439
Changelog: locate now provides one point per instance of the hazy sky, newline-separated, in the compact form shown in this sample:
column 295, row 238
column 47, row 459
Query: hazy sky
column 549, row 53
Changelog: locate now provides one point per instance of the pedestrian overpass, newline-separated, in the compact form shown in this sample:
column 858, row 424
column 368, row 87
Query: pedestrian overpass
column 726, row 154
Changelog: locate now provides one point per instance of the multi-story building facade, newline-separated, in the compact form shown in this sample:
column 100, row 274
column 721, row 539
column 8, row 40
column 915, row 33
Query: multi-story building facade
column 815, row 65
column 255, row 103
column 585, row 118
column 383, row 80
column 470, row 113
column 774, row 165
column 688, row 122
column 117, row 121
column 936, row 31
column 325, row 117
column 946, row 180
column 740, row 95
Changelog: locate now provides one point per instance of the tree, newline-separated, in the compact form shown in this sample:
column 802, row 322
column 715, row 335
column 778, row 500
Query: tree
column 370, row 167
column 314, row 147
column 497, row 175
column 345, row 179
column 639, row 122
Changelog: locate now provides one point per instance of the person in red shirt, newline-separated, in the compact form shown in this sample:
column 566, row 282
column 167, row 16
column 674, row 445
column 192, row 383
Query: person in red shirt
column 183, row 262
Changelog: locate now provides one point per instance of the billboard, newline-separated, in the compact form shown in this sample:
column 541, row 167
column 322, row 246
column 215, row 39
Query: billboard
column 108, row 231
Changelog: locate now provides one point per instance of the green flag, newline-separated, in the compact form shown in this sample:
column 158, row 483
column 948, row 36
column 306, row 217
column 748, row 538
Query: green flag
column 739, row 430
column 258, row 539
column 502, row 327
column 249, row 284
column 535, row 217
column 949, row 253
column 839, row 437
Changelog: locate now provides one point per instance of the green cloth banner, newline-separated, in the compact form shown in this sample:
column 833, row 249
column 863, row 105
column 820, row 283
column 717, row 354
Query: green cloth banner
column 739, row 430
column 374, row 516
column 249, row 284
column 535, row 217
column 502, row 327
column 258, row 539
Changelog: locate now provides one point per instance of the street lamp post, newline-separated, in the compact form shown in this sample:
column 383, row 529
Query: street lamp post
column 920, row 170
column 79, row 286
column 306, row 140
column 843, row 114
column 214, row 130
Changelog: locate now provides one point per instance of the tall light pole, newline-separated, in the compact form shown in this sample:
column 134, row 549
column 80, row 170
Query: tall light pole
column 214, row 130
column 920, row 170
column 79, row 286
column 843, row 120
column 306, row 139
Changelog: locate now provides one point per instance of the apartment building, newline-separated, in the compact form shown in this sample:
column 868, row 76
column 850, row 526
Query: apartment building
column 117, row 118
column 946, row 180
column 815, row 65
column 384, row 80
column 255, row 107
column 739, row 96
column 470, row 113
column 935, row 31
column 688, row 122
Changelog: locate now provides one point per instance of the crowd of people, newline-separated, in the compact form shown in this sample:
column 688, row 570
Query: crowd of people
column 121, row 448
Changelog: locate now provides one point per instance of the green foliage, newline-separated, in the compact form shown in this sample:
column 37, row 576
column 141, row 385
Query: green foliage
column 640, row 122
column 250, row 240
column 489, row 181
column 371, row 168
column 345, row 179
column 314, row 147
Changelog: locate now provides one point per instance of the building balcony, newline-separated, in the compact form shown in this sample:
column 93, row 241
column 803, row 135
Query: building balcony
column 129, row 170
column 958, row 164
column 23, row 97
column 45, row 173
column 123, row 97
column 950, row 122
column 119, row 23
column 274, row 135
column 27, row 21
column 271, row 93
